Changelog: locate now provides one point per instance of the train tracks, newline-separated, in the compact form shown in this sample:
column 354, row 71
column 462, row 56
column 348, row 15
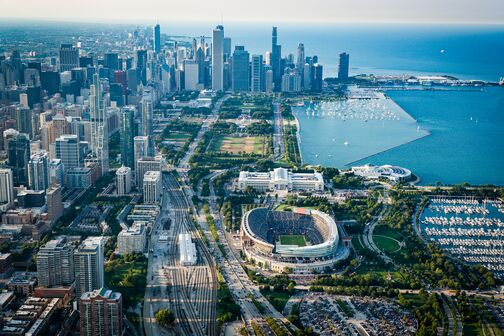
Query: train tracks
column 194, row 288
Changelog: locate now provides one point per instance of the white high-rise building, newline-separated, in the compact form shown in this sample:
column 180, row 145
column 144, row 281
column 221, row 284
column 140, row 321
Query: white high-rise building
column 140, row 148
column 88, row 265
column 38, row 171
column 132, row 239
column 152, row 186
column 99, row 129
column 123, row 180
column 269, row 81
column 6, row 189
column 144, row 165
column 56, row 172
column 218, row 59
column 55, row 263
column 191, row 75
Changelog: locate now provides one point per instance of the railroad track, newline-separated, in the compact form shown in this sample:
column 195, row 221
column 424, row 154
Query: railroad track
column 195, row 291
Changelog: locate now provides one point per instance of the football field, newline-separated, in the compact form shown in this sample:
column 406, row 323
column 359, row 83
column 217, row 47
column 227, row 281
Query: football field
column 298, row 240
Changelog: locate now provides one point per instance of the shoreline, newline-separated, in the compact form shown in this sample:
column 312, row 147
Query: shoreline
column 298, row 137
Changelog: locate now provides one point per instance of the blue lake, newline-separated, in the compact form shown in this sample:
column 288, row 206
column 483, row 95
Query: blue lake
column 466, row 141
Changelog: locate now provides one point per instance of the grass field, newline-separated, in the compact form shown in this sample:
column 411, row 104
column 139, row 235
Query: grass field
column 386, row 244
column 236, row 145
column 298, row 240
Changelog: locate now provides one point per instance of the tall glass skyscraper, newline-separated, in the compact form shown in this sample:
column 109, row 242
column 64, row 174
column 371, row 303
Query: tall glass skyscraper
column 218, row 58
column 257, row 81
column 127, row 133
column 276, row 60
column 99, row 129
column 240, row 69
column 18, row 152
column 157, row 38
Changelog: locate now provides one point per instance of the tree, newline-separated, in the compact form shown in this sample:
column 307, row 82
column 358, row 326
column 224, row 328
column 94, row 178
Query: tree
column 165, row 317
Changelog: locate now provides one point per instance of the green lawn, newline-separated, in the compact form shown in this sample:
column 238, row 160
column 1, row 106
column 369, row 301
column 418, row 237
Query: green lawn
column 298, row 240
column 386, row 244
column 237, row 144
column 357, row 245
column 277, row 299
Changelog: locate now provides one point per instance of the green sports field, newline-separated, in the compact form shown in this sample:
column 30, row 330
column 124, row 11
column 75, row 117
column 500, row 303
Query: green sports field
column 298, row 240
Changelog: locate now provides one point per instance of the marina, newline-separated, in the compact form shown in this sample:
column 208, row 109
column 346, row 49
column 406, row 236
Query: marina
column 467, row 228
column 350, row 129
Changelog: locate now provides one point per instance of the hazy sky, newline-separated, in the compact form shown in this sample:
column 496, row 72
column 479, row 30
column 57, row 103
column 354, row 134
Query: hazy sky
column 129, row 11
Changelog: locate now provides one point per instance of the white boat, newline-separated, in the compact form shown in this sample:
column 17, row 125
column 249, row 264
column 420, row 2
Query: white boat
column 346, row 143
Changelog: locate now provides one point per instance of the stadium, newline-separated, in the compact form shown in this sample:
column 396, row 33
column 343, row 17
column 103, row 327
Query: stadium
column 302, row 240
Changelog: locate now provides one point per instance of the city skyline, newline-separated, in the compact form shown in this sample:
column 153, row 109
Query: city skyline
column 222, row 11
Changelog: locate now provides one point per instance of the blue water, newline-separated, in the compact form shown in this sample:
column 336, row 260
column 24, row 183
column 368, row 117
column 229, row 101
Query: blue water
column 459, row 149
column 469, row 51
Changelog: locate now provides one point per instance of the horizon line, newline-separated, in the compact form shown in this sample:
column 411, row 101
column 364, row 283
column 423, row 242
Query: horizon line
column 146, row 21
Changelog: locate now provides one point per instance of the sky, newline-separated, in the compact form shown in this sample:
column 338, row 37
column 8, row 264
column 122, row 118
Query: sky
column 321, row 11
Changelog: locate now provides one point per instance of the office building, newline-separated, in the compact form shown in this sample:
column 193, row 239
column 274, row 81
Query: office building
column 67, row 149
column 68, row 57
column 141, row 65
column 38, row 171
column 300, row 60
column 152, row 187
column 101, row 313
column 55, row 266
column 54, row 202
column 140, row 148
column 79, row 177
column 111, row 62
column 132, row 239
column 127, row 134
column 157, row 38
column 218, row 59
column 24, row 120
column 18, row 155
column 276, row 60
column 307, row 77
column 268, row 79
column 145, row 164
column 6, row 190
column 99, row 129
column 318, row 80
column 88, row 265
column 240, row 70
column 226, row 48
column 291, row 81
column 123, row 180
column 191, row 75
column 257, row 74
column 56, row 172
column 344, row 65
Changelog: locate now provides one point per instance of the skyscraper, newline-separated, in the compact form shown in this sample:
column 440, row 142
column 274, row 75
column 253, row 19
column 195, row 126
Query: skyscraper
column 140, row 148
column 218, row 59
column 240, row 69
column 276, row 60
column 157, row 38
column 56, row 172
column 127, row 134
column 123, row 180
column 55, row 263
column 88, row 265
column 257, row 81
column 101, row 313
column 344, row 64
column 99, row 129
column 147, row 116
column 6, row 189
column 24, row 120
column 111, row 61
column 54, row 202
column 318, row 73
column 144, row 165
column 141, row 65
column 18, row 154
column 38, row 171
column 68, row 151
column 152, row 186
column 68, row 57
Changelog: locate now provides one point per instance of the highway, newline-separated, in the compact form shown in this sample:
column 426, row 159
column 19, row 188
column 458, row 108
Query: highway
column 278, row 133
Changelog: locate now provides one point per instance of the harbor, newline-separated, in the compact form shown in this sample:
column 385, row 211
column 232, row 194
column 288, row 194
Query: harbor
column 468, row 228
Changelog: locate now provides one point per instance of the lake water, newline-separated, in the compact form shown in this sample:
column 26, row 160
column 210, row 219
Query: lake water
column 465, row 144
